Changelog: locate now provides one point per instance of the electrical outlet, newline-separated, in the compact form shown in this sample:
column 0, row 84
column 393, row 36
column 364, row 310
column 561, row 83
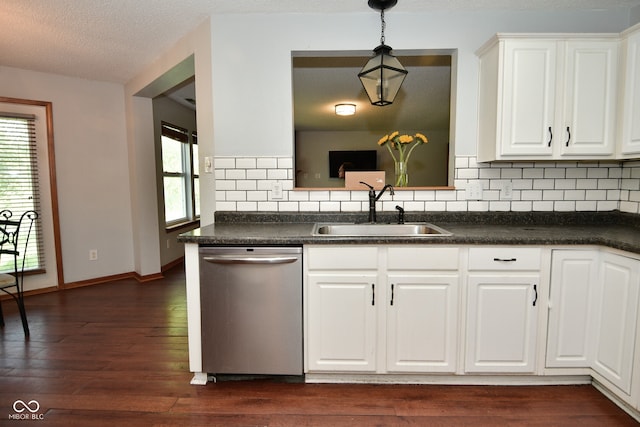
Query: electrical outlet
column 507, row 190
column 168, row 243
column 93, row 254
column 276, row 190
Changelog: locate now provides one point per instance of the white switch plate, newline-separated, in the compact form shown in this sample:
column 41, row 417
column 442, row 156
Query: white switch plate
column 276, row 190
column 507, row 190
column 208, row 164
column 474, row 190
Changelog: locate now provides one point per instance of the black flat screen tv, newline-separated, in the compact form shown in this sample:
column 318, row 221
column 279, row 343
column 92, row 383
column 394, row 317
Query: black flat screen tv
column 358, row 160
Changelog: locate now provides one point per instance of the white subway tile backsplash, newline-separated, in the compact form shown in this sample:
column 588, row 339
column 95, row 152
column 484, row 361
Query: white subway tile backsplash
column 258, row 196
column 565, row 184
column 576, row 173
column 224, row 163
column 584, row 205
column 564, row 206
column 246, row 163
column 266, row 163
column 245, row 183
column 257, row 174
column 554, row 173
column 247, row 206
column 225, row 185
column 608, row 205
column 277, row 174
column 351, row 206
column 235, row 174
column 288, row 206
column 519, row 206
column 285, row 163
column 268, row 206
column 597, row 173
column 309, row 206
column 608, row 184
column 236, row 195
column 575, row 195
column 542, row 206
column 329, row 206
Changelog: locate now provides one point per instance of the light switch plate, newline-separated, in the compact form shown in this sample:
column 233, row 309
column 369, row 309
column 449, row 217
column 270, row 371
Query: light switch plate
column 474, row 190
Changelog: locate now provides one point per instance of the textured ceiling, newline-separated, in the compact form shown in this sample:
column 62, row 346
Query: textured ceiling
column 113, row 40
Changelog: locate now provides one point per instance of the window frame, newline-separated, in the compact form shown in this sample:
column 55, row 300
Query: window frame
column 187, row 175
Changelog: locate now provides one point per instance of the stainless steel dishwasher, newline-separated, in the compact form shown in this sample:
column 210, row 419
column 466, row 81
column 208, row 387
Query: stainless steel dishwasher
column 251, row 310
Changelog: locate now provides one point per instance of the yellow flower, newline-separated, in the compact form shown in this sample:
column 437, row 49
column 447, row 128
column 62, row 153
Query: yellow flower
column 405, row 139
column 422, row 138
column 383, row 140
column 393, row 135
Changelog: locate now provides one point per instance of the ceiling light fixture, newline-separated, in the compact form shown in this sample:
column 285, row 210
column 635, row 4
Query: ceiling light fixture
column 345, row 109
column 383, row 74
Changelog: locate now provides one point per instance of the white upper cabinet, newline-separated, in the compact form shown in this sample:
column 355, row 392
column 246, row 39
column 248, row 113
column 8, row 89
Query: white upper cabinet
column 547, row 98
column 629, row 126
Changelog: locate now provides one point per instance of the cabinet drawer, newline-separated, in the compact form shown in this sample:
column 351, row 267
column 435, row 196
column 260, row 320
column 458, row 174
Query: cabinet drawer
column 420, row 258
column 341, row 258
column 507, row 258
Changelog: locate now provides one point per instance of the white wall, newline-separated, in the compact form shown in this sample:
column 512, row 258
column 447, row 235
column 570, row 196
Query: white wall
column 91, row 165
column 252, row 62
column 152, row 81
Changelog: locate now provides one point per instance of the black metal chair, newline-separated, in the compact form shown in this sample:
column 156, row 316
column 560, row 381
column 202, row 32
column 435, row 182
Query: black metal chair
column 14, row 239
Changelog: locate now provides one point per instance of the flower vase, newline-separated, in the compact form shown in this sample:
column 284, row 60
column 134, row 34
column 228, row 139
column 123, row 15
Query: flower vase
column 402, row 174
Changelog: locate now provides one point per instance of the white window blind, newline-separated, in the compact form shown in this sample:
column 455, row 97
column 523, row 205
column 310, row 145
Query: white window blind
column 19, row 187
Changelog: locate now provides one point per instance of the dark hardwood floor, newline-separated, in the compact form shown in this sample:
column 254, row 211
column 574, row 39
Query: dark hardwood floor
column 116, row 355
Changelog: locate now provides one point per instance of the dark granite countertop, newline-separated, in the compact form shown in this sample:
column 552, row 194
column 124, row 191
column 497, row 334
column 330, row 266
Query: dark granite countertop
column 612, row 229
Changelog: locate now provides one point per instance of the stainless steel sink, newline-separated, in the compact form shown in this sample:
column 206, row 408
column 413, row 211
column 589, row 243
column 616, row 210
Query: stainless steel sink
column 417, row 229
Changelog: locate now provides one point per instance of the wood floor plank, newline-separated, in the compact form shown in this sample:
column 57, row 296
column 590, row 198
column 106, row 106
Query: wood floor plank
column 116, row 354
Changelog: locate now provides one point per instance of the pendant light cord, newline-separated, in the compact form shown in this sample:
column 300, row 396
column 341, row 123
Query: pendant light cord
column 382, row 25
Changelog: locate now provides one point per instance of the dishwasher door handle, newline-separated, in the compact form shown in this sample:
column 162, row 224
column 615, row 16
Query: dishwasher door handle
column 234, row 259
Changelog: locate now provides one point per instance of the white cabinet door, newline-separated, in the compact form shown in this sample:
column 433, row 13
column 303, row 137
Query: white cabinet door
column 616, row 314
column 588, row 123
column 341, row 322
column 501, row 323
column 630, row 123
column 422, row 322
column 528, row 104
column 574, row 274
column 545, row 98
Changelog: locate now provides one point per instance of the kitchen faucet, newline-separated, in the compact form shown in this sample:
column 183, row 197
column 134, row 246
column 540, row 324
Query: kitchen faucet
column 373, row 199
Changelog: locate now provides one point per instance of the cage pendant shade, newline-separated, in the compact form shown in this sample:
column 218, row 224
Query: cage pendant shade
column 382, row 76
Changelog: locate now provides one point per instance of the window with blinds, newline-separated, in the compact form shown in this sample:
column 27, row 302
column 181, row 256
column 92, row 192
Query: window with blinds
column 180, row 175
column 19, row 187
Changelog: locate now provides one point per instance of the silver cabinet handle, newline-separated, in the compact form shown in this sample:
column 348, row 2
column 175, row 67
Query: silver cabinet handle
column 233, row 259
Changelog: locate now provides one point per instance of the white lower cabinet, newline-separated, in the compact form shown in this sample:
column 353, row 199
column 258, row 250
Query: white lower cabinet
column 593, row 316
column 422, row 309
column 400, row 317
column 414, row 309
column 342, row 327
column 574, row 274
column 502, row 310
column 616, row 319
column 341, row 311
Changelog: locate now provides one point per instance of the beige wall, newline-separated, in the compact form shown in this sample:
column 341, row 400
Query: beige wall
column 427, row 165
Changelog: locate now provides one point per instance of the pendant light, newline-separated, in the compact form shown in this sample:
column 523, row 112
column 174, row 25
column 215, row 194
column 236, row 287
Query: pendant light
column 383, row 74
